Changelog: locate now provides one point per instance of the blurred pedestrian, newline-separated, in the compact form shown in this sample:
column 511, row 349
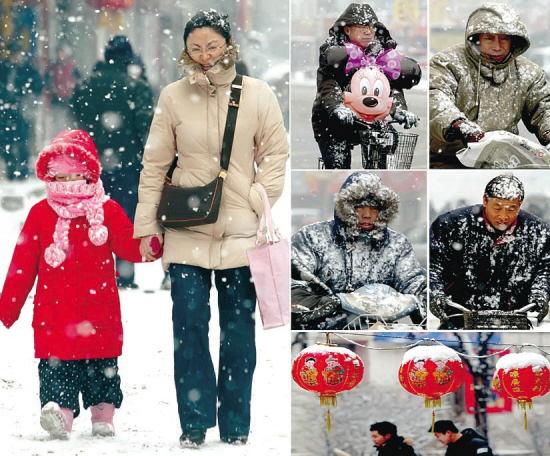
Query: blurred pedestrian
column 116, row 108
column 61, row 80
column 19, row 79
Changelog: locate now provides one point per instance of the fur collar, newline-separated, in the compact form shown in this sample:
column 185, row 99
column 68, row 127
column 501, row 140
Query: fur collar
column 188, row 67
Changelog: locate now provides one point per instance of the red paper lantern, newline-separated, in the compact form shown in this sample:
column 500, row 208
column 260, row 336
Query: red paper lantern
column 522, row 376
column 327, row 370
column 431, row 371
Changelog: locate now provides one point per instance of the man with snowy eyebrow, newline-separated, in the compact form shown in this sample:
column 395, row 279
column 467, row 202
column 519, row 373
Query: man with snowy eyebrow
column 490, row 256
column 486, row 84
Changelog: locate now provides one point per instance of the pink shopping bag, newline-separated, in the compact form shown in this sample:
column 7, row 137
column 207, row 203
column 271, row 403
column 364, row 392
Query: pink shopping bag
column 270, row 268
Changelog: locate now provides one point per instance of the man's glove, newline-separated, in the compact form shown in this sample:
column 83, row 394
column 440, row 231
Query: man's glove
column 467, row 131
column 438, row 307
column 345, row 115
column 545, row 139
column 541, row 305
column 406, row 118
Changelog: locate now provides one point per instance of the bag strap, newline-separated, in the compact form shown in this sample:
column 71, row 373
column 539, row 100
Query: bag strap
column 273, row 233
column 230, row 123
column 229, row 133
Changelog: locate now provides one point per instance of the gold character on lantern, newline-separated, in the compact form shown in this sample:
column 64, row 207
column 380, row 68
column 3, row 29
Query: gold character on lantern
column 334, row 373
column 308, row 373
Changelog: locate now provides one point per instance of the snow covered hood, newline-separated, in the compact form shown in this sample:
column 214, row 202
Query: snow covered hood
column 497, row 18
column 364, row 189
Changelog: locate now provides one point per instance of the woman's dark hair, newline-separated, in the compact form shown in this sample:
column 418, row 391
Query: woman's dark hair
column 212, row 19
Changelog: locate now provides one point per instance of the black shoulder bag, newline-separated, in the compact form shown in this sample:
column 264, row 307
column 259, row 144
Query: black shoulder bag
column 181, row 207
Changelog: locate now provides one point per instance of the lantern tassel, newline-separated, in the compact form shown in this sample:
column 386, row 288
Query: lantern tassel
column 525, row 420
column 329, row 423
column 433, row 420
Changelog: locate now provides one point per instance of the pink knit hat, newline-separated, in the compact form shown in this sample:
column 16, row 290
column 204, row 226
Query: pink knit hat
column 76, row 144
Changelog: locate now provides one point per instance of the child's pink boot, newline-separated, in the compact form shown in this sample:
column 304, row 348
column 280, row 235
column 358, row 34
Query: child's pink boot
column 58, row 421
column 102, row 419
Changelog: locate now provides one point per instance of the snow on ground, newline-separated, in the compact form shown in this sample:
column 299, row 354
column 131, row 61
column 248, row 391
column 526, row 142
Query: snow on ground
column 147, row 423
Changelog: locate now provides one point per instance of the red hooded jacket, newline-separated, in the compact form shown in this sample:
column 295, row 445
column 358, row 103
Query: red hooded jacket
column 76, row 306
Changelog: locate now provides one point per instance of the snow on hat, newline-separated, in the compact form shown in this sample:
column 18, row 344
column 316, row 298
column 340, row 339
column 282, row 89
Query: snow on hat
column 73, row 143
column 506, row 187
column 212, row 19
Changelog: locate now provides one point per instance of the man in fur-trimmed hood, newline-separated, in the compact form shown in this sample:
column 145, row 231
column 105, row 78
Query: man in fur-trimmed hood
column 354, row 249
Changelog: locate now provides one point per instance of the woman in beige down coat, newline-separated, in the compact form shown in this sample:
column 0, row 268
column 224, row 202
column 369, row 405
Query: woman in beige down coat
column 190, row 121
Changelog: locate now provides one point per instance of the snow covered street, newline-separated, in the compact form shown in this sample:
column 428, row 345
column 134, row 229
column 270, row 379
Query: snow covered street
column 147, row 422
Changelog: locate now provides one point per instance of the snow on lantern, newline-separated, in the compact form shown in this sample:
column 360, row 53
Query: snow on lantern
column 431, row 371
column 327, row 370
column 522, row 376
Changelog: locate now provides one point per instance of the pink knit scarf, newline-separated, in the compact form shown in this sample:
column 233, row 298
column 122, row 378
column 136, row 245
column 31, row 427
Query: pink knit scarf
column 70, row 200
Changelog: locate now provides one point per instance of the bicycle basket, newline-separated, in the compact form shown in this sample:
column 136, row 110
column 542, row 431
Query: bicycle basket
column 387, row 150
column 402, row 158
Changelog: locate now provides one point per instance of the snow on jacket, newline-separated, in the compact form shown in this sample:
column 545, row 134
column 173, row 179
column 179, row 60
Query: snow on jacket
column 76, row 305
column 116, row 109
column 483, row 270
column 396, row 446
column 190, row 120
column 332, row 79
column 466, row 85
column 344, row 257
column 472, row 443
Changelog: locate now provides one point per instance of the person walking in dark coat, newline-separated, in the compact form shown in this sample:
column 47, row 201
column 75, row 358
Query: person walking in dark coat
column 18, row 79
column 469, row 442
column 117, row 109
column 387, row 442
column 356, row 39
column 355, row 249
column 490, row 256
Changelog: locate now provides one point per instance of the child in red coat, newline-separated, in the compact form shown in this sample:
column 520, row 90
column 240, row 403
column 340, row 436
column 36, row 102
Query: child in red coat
column 68, row 241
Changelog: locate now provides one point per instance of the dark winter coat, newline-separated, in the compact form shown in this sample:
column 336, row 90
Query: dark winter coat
column 16, row 82
column 485, row 270
column 472, row 443
column 466, row 85
column 344, row 257
column 396, row 446
column 332, row 79
column 76, row 306
column 117, row 111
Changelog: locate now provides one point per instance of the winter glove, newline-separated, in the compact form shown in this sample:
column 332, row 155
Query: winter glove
column 467, row 131
column 406, row 118
column 438, row 307
column 545, row 139
column 345, row 115
column 309, row 310
column 541, row 305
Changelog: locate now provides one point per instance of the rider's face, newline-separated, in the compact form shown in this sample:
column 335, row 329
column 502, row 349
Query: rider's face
column 495, row 46
column 367, row 216
column 362, row 35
